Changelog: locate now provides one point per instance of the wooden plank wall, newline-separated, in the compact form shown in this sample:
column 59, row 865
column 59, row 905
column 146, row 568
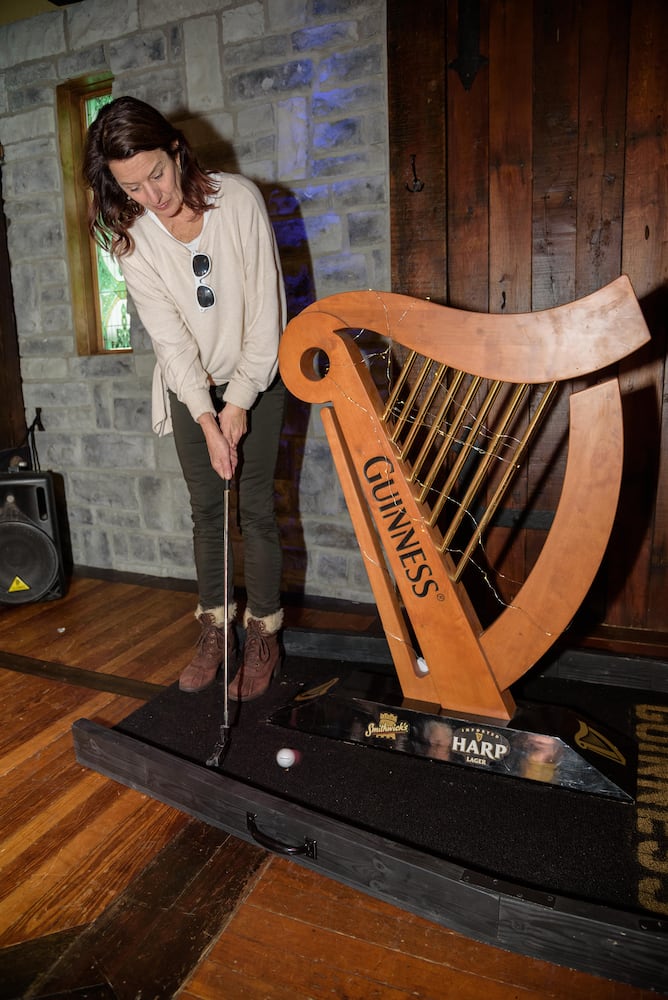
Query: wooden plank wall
column 545, row 176
column 12, row 420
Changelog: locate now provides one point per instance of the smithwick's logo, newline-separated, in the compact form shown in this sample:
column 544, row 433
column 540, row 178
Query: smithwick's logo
column 480, row 746
column 388, row 727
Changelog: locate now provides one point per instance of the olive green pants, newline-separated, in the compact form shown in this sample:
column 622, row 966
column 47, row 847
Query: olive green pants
column 254, row 481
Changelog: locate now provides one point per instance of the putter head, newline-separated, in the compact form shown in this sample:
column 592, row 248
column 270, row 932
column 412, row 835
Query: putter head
column 220, row 748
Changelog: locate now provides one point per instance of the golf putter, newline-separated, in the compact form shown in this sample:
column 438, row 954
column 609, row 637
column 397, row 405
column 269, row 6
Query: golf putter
column 223, row 740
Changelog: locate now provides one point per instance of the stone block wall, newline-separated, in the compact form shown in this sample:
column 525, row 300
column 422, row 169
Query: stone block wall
column 291, row 93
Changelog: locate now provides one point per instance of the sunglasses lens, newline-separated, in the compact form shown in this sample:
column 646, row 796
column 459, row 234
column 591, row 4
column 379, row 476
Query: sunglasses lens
column 201, row 265
column 205, row 296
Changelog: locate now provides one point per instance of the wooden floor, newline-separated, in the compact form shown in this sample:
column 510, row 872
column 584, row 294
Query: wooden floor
column 105, row 893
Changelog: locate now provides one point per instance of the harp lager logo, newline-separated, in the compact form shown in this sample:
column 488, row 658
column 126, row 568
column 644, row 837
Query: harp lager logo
column 388, row 727
column 480, row 746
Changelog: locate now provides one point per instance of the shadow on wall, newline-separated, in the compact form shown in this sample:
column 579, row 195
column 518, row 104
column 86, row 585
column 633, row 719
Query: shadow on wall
column 642, row 456
column 284, row 210
column 285, row 214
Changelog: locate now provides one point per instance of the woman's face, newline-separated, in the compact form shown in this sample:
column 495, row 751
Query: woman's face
column 152, row 180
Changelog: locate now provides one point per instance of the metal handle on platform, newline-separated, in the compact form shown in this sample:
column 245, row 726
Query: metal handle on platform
column 309, row 847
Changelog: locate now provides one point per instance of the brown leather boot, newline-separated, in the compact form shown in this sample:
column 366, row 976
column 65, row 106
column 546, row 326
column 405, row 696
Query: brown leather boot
column 202, row 669
column 262, row 657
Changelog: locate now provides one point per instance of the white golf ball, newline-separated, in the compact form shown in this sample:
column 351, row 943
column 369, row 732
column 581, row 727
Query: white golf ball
column 286, row 757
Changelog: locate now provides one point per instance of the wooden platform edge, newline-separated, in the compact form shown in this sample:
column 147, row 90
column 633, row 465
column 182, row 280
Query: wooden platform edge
column 606, row 942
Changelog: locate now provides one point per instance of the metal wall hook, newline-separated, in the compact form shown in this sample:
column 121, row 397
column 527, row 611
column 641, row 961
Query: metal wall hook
column 417, row 184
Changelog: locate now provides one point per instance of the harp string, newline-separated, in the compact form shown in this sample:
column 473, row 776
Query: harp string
column 462, row 442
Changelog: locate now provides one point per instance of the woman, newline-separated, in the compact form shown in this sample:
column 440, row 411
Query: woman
column 200, row 261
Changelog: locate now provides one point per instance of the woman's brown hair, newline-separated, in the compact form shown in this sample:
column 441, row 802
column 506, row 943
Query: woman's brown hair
column 123, row 128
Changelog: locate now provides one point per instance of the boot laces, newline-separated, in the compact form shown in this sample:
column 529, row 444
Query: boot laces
column 211, row 639
column 257, row 649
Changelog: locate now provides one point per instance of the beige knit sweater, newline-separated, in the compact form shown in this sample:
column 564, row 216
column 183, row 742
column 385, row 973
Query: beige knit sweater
column 236, row 340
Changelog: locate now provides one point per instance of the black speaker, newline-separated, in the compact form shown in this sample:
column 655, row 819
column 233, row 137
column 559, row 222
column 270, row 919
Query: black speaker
column 31, row 558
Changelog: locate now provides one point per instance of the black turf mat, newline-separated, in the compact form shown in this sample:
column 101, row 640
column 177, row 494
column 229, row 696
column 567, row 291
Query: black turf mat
column 543, row 837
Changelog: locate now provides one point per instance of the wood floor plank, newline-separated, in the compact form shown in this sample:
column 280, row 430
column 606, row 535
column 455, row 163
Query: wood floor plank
column 200, row 901
column 159, row 927
column 71, row 875
column 33, row 782
column 44, row 703
column 156, row 658
column 239, row 986
column 11, row 686
column 62, row 705
column 257, row 945
column 86, row 622
column 31, row 875
column 19, row 963
column 297, row 897
column 89, row 707
column 293, row 891
column 107, row 640
column 160, row 656
column 33, row 850
column 96, row 879
column 263, row 946
column 18, row 617
column 237, row 982
column 44, row 629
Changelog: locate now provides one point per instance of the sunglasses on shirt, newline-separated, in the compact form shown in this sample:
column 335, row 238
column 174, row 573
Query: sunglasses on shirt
column 201, row 263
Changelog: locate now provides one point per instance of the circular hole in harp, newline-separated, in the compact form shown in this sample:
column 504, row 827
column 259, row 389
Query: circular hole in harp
column 314, row 364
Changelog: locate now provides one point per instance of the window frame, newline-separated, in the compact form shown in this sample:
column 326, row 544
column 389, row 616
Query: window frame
column 71, row 100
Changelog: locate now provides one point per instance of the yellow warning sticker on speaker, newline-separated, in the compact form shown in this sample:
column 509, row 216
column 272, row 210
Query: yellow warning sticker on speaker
column 17, row 584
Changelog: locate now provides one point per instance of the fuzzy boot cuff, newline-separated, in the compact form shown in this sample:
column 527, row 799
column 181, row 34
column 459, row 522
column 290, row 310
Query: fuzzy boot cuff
column 272, row 623
column 218, row 613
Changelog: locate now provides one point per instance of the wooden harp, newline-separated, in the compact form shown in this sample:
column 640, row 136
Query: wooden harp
column 425, row 469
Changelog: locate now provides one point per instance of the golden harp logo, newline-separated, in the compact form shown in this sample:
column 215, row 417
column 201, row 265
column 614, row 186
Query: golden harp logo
column 590, row 739
column 316, row 692
column 388, row 727
column 480, row 746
